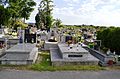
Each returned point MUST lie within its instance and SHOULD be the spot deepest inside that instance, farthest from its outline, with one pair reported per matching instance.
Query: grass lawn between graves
(43, 63)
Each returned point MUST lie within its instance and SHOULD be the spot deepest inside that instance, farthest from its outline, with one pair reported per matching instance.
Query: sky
(89, 12)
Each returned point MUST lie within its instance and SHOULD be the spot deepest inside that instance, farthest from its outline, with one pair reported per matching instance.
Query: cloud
(96, 12)
(73, 1)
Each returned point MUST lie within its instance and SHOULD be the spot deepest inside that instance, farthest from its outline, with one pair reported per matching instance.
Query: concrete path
(17, 74)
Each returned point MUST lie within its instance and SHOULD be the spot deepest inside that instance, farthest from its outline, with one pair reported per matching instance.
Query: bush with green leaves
(110, 38)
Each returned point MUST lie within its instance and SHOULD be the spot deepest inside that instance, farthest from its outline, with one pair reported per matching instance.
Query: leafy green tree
(110, 38)
(58, 23)
(115, 40)
(40, 20)
(4, 16)
(14, 8)
(49, 21)
(20, 24)
(103, 35)
(45, 13)
(26, 8)
(21, 8)
(37, 19)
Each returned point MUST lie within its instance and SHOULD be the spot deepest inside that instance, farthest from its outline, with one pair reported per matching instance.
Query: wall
(66, 63)
(65, 56)
(49, 45)
(14, 62)
(104, 59)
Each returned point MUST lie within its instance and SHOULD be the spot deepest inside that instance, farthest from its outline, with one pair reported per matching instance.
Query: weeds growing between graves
(45, 65)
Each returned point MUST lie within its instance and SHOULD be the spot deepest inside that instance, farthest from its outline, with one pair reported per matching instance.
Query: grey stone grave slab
(60, 56)
(20, 54)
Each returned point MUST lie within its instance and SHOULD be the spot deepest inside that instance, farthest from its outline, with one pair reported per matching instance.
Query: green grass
(45, 65)
(40, 67)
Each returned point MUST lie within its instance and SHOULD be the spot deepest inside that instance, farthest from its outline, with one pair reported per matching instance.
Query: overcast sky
(91, 12)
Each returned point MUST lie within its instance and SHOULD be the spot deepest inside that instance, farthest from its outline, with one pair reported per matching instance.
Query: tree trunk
(24, 19)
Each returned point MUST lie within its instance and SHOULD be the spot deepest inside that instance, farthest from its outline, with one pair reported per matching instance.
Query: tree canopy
(15, 9)
(4, 16)
(110, 38)
(58, 23)
(21, 8)
(45, 14)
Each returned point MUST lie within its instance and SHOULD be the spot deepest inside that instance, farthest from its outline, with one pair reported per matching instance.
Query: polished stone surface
(55, 56)
(64, 48)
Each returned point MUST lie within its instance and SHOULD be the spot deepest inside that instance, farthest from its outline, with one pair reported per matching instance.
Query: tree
(37, 19)
(21, 8)
(58, 23)
(115, 40)
(45, 13)
(40, 20)
(14, 8)
(20, 24)
(104, 36)
(110, 38)
(4, 16)
(27, 8)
